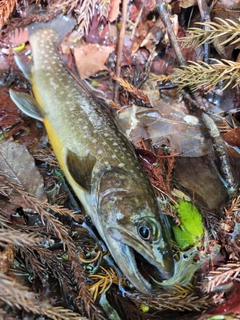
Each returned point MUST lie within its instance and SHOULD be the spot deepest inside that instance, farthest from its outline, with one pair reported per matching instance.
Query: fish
(96, 158)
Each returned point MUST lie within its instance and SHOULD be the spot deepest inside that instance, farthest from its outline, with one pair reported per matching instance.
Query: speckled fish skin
(98, 162)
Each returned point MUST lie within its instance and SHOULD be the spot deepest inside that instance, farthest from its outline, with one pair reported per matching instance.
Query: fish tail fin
(61, 24)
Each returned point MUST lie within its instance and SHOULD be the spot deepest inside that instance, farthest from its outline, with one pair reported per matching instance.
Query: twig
(161, 6)
(120, 45)
(205, 15)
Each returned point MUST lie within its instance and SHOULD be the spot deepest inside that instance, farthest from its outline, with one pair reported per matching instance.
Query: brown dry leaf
(181, 132)
(229, 4)
(19, 168)
(6, 258)
(91, 58)
(187, 3)
(114, 10)
(10, 115)
(199, 177)
(233, 137)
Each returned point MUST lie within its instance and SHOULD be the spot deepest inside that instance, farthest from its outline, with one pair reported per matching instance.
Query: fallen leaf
(187, 3)
(114, 10)
(181, 132)
(91, 59)
(19, 168)
(6, 258)
(233, 137)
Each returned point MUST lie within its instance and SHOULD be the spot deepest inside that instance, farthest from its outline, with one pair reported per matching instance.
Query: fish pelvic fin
(62, 25)
(80, 169)
(27, 104)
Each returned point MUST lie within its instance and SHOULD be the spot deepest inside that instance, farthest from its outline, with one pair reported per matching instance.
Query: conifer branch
(200, 75)
(6, 8)
(223, 274)
(16, 295)
(216, 29)
(18, 238)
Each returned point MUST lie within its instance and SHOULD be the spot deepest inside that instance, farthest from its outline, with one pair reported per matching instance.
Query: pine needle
(84, 11)
(200, 75)
(52, 224)
(215, 30)
(18, 238)
(16, 295)
(6, 8)
(223, 274)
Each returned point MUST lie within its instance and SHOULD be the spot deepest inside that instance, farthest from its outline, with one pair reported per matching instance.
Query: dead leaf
(6, 258)
(114, 10)
(91, 59)
(187, 3)
(200, 179)
(182, 133)
(19, 168)
(229, 4)
(233, 137)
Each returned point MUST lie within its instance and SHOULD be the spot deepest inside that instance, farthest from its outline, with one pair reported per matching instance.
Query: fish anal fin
(27, 104)
(80, 169)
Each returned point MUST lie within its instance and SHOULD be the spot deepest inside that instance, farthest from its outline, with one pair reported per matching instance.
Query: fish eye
(144, 232)
(148, 229)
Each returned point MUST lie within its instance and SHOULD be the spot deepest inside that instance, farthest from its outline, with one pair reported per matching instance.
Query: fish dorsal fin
(27, 104)
(80, 168)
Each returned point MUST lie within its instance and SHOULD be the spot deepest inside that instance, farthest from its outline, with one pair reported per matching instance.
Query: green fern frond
(214, 29)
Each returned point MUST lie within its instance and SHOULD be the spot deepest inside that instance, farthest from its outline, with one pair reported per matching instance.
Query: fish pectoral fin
(25, 67)
(27, 104)
(80, 168)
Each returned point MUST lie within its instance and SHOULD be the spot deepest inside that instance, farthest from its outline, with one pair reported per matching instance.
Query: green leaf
(191, 230)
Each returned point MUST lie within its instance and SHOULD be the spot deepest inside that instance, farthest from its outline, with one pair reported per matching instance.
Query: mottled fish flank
(97, 160)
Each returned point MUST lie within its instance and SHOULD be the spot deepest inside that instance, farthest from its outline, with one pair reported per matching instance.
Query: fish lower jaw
(138, 280)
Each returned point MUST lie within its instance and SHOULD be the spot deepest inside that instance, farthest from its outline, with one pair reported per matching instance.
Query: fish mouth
(149, 272)
(137, 268)
(132, 270)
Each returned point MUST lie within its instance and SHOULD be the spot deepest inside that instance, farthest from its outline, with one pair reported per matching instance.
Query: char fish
(97, 160)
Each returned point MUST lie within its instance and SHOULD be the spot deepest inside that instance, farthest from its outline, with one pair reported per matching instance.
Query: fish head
(132, 227)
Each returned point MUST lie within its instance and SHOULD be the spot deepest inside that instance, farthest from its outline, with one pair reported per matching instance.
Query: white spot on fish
(104, 143)
(192, 120)
(106, 163)
(94, 141)
(114, 156)
(121, 165)
(100, 152)
(119, 216)
(115, 144)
